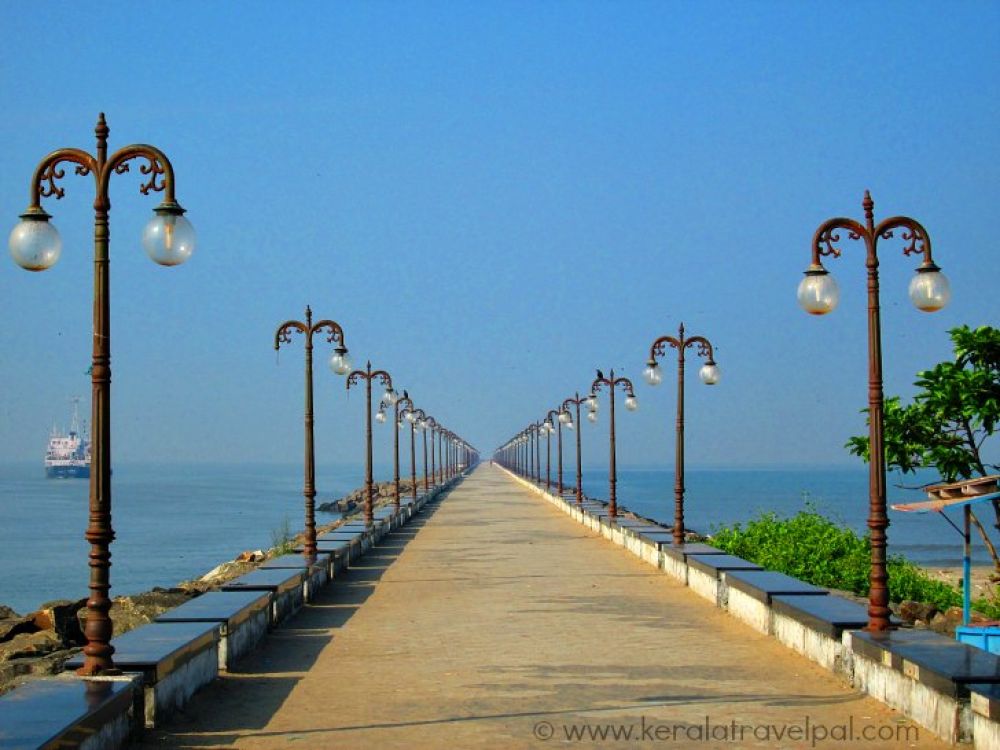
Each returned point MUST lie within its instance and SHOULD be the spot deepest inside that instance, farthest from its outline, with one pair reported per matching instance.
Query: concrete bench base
(935, 711)
(242, 619)
(815, 646)
(174, 660)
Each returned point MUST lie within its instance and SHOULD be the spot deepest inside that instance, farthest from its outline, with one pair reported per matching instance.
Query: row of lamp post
(818, 294)
(169, 240)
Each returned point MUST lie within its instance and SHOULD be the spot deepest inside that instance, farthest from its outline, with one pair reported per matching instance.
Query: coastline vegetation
(820, 551)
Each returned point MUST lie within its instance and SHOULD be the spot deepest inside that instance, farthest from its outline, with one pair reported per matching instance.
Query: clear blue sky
(494, 199)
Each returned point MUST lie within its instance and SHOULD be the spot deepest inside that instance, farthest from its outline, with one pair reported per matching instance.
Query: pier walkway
(495, 621)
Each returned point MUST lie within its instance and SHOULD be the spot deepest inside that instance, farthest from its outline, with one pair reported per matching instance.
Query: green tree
(954, 414)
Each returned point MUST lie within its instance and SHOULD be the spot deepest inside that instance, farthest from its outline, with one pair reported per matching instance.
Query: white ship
(68, 455)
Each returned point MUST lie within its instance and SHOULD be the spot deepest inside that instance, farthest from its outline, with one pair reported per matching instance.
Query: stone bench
(339, 553)
(69, 711)
(358, 538)
(285, 587)
(814, 625)
(242, 618)
(749, 594)
(705, 574)
(674, 558)
(175, 659)
(315, 571)
(925, 674)
(368, 534)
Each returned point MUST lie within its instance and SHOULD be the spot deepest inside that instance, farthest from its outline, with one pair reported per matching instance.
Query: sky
(494, 200)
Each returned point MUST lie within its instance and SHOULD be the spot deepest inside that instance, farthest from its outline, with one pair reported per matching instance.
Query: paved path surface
(494, 620)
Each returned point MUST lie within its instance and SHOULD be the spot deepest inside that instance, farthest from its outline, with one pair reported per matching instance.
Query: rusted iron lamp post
(35, 245)
(709, 374)
(529, 439)
(340, 363)
(431, 424)
(442, 435)
(529, 453)
(368, 375)
(818, 294)
(537, 432)
(408, 417)
(567, 420)
(450, 443)
(631, 404)
(398, 404)
(550, 422)
(420, 421)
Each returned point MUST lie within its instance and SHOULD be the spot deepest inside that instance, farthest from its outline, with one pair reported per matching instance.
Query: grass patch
(282, 540)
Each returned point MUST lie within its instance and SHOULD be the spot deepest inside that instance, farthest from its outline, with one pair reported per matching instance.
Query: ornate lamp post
(709, 374)
(420, 420)
(367, 375)
(431, 424)
(35, 245)
(526, 453)
(398, 403)
(440, 453)
(408, 417)
(529, 439)
(537, 432)
(340, 363)
(566, 419)
(447, 459)
(631, 404)
(818, 295)
(552, 419)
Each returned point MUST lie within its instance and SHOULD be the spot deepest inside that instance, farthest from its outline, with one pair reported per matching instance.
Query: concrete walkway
(495, 621)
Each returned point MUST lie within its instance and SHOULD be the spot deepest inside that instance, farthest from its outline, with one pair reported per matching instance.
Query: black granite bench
(683, 551)
(285, 587)
(174, 658)
(339, 552)
(241, 616)
(64, 711)
(316, 570)
(714, 565)
(345, 535)
(939, 662)
(656, 535)
(763, 584)
(828, 615)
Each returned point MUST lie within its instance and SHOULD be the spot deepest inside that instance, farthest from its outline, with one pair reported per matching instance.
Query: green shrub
(820, 551)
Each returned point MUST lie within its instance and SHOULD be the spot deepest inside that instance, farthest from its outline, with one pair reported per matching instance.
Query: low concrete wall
(898, 684)
(815, 646)
(175, 689)
(242, 639)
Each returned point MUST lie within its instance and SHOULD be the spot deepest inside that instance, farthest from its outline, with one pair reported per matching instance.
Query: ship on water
(68, 454)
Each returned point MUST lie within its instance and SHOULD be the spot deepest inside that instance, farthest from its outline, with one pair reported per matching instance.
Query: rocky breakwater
(39, 643)
(384, 493)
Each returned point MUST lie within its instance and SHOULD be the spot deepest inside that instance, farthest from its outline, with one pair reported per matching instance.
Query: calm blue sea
(172, 523)
(177, 522)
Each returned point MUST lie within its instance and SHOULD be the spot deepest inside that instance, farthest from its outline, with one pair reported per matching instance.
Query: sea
(176, 522)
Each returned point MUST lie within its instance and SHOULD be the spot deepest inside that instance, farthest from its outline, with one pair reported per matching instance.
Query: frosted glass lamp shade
(930, 290)
(168, 238)
(34, 243)
(818, 292)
